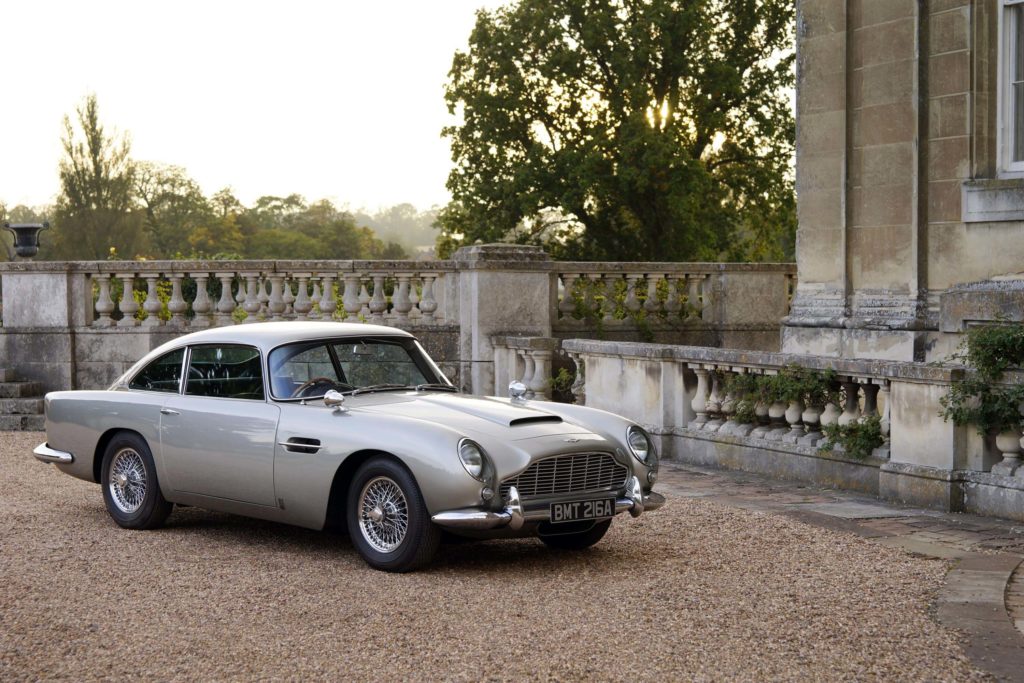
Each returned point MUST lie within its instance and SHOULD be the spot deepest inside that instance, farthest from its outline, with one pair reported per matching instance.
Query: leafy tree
(626, 129)
(401, 223)
(174, 206)
(94, 212)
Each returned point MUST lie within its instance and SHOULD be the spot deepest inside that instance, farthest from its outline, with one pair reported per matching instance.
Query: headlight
(472, 458)
(640, 444)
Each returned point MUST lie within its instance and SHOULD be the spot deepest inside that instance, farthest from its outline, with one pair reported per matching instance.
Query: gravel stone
(694, 591)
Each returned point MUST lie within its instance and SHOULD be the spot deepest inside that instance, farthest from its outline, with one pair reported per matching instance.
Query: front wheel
(580, 540)
(130, 489)
(387, 518)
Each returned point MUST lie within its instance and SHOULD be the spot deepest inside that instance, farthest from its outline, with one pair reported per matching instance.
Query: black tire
(128, 460)
(578, 541)
(374, 481)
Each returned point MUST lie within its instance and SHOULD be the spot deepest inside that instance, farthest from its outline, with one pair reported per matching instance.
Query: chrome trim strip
(44, 453)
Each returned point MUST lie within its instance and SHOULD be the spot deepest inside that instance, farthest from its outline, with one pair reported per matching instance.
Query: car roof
(270, 334)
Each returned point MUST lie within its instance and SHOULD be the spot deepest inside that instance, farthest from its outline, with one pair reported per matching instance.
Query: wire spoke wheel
(128, 481)
(383, 514)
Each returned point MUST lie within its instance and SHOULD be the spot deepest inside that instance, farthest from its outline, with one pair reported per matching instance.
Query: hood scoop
(538, 419)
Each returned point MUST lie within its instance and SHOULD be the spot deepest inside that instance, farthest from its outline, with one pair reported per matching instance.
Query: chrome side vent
(300, 444)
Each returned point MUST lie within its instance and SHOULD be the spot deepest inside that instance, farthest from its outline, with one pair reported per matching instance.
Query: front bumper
(514, 516)
(44, 453)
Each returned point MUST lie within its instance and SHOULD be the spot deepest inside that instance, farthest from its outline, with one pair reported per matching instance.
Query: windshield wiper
(379, 387)
(437, 386)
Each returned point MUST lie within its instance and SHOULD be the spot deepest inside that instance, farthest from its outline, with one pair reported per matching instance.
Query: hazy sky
(338, 99)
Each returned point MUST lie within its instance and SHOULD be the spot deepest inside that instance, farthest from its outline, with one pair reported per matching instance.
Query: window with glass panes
(1012, 71)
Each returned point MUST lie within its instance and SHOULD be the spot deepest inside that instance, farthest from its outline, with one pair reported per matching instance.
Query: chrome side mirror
(334, 399)
(517, 391)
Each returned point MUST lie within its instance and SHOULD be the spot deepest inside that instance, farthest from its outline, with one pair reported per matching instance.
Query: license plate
(578, 510)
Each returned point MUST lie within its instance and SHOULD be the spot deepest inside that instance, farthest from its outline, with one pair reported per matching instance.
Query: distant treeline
(111, 206)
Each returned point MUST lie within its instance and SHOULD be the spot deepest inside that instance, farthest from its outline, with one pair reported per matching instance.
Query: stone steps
(21, 404)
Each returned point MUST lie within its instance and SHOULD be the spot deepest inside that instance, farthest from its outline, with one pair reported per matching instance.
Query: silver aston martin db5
(332, 424)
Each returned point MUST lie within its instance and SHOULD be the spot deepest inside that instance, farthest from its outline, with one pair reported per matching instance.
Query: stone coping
(491, 262)
(919, 372)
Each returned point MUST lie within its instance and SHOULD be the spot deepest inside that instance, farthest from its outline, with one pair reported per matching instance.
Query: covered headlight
(641, 446)
(472, 457)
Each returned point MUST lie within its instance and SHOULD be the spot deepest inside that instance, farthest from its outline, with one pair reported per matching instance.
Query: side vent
(540, 419)
(300, 444)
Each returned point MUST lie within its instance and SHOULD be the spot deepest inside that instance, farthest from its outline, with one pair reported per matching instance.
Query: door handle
(168, 411)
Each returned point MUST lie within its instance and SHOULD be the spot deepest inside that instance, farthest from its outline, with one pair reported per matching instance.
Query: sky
(340, 100)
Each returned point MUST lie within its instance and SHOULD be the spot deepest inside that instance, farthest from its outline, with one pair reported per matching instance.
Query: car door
(218, 438)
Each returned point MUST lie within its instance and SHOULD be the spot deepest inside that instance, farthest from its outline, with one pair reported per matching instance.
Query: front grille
(571, 473)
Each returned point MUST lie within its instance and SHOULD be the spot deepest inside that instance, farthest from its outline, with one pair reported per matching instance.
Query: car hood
(483, 415)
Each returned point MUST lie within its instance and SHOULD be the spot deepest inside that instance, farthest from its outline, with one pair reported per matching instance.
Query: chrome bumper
(514, 516)
(44, 453)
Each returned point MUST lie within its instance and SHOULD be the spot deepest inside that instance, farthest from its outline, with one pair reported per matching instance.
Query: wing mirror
(334, 399)
(517, 391)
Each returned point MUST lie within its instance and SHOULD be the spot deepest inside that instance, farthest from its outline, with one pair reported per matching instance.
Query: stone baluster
(694, 295)
(851, 408)
(812, 425)
(714, 403)
(540, 382)
(176, 306)
(632, 301)
(226, 305)
(400, 300)
(672, 303)
(350, 300)
(240, 294)
(1008, 443)
(884, 419)
(152, 304)
(364, 302)
(579, 385)
(251, 303)
(794, 417)
(127, 304)
(276, 300)
(202, 306)
(314, 298)
(728, 402)
(652, 305)
(104, 304)
(529, 369)
(289, 299)
(328, 301)
(762, 421)
(567, 304)
(302, 304)
(264, 297)
(609, 305)
(378, 304)
(415, 314)
(428, 304)
(700, 398)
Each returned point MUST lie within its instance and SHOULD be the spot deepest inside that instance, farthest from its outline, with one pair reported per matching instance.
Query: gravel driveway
(694, 591)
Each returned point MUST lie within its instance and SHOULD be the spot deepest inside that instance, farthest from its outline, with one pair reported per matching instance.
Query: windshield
(352, 365)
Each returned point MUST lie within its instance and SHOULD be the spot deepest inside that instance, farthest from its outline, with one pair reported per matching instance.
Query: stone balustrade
(680, 393)
(524, 359)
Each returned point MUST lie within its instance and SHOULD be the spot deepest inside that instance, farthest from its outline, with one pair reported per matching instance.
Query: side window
(163, 374)
(225, 371)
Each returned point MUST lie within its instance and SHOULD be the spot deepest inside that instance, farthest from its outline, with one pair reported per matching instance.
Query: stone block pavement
(983, 595)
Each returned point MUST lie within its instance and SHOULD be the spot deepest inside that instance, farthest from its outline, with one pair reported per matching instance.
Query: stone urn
(1009, 444)
(26, 237)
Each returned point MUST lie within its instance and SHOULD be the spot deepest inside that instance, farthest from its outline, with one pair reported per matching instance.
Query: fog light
(486, 493)
(652, 477)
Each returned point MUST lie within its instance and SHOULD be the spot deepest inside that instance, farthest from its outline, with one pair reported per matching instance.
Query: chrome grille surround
(568, 473)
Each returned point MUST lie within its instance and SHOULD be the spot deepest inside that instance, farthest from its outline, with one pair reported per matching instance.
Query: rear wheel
(387, 518)
(130, 488)
(579, 540)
